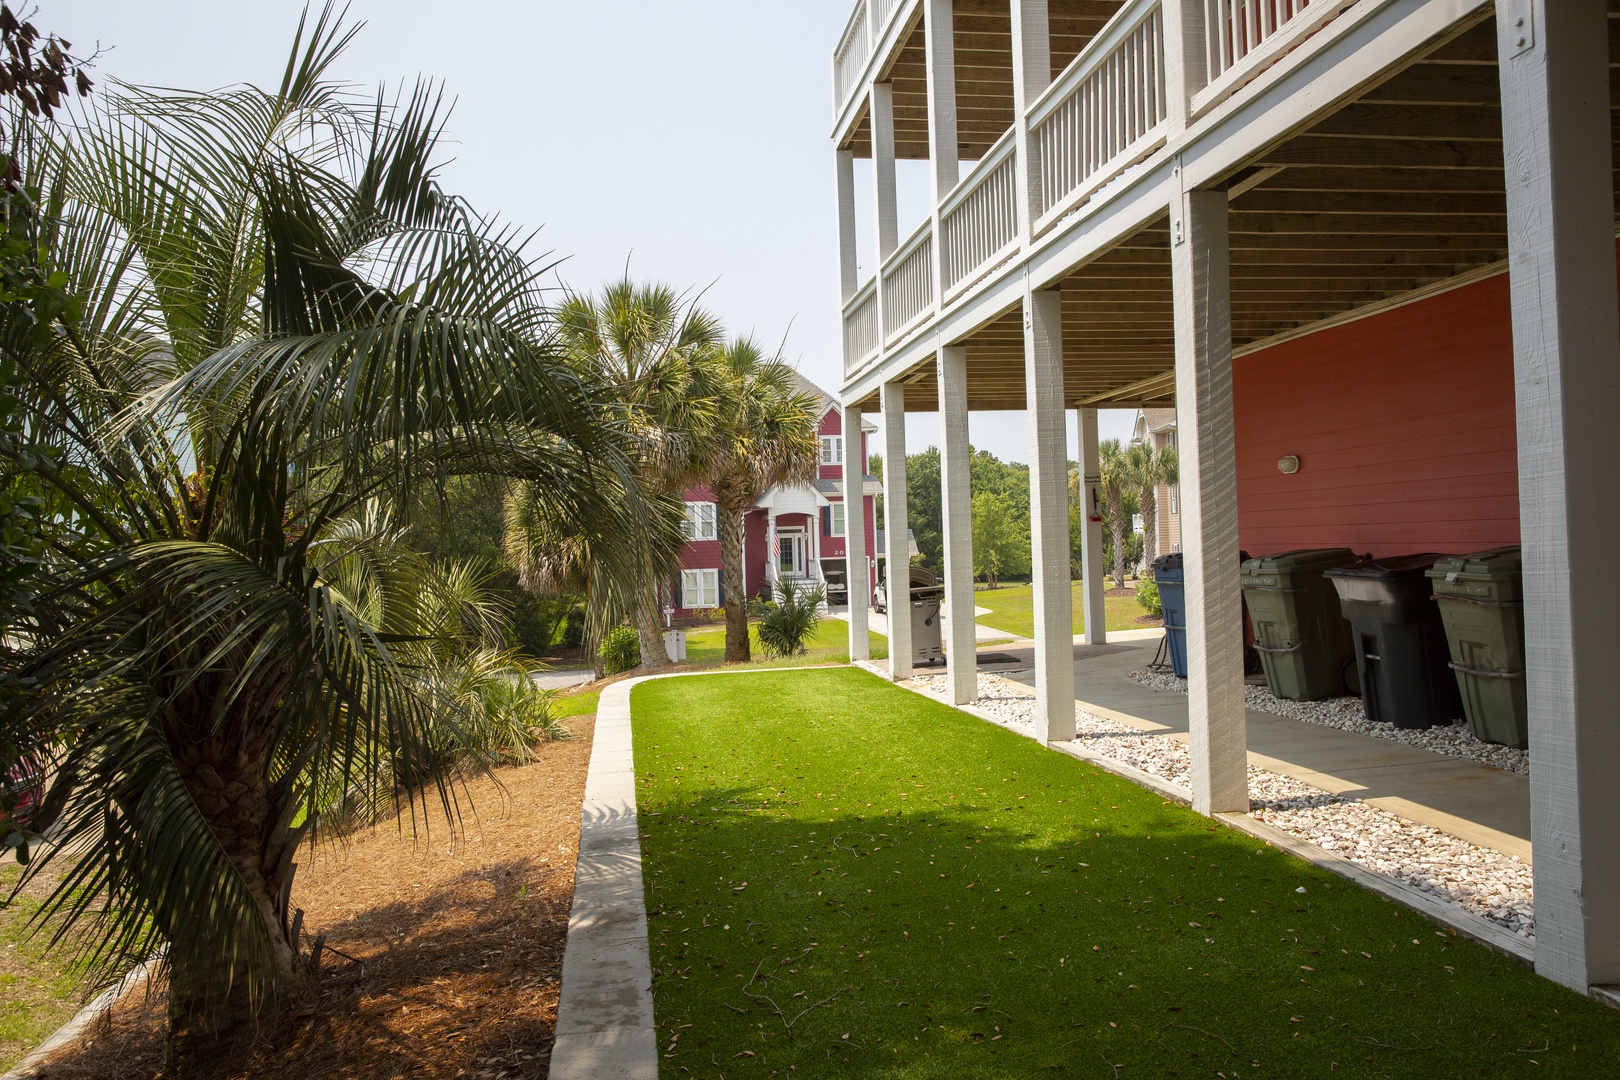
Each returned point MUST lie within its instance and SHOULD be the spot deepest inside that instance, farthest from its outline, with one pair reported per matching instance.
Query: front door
(791, 559)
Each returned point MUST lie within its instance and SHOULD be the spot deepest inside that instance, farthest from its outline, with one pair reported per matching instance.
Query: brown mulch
(1119, 592)
(444, 955)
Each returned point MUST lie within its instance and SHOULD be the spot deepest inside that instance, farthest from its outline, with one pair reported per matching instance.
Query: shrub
(574, 628)
(621, 650)
(1147, 594)
(786, 624)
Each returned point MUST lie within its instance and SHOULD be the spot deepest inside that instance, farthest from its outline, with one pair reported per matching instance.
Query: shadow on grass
(846, 879)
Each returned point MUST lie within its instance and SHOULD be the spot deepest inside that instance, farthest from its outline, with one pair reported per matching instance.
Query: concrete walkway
(562, 679)
(1485, 806)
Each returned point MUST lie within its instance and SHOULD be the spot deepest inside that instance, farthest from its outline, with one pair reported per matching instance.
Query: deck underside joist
(1398, 193)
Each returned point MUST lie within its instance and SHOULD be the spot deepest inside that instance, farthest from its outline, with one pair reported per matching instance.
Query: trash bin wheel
(1350, 678)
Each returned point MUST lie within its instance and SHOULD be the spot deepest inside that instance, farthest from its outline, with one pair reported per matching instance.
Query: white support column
(956, 520)
(1091, 557)
(1566, 347)
(1200, 280)
(896, 529)
(888, 224)
(1032, 73)
(855, 570)
(773, 556)
(1049, 514)
(1186, 66)
(942, 141)
(847, 270)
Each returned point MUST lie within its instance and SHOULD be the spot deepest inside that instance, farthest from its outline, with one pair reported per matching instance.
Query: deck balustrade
(849, 59)
(861, 329)
(980, 218)
(1105, 112)
(908, 282)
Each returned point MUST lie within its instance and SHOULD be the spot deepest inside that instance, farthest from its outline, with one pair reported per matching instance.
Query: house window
(700, 588)
(836, 519)
(1175, 498)
(700, 523)
(832, 449)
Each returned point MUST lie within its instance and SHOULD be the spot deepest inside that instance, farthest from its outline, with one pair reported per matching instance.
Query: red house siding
(1403, 424)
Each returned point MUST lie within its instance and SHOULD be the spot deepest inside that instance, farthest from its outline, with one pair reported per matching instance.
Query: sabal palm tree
(284, 318)
(1117, 477)
(765, 435)
(1152, 467)
(657, 351)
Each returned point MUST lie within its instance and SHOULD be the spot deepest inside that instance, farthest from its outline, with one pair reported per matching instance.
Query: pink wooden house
(796, 533)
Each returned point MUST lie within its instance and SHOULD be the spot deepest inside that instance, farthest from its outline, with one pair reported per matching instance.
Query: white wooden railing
(908, 281)
(1244, 37)
(1106, 111)
(980, 218)
(861, 328)
(849, 59)
(881, 10)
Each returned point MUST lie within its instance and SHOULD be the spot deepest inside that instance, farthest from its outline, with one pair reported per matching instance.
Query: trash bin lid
(1494, 564)
(1391, 567)
(1169, 561)
(1305, 559)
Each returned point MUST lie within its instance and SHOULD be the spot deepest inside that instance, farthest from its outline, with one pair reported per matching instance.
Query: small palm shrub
(787, 623)
(1147, 594)
(573, 635)
(621, 650)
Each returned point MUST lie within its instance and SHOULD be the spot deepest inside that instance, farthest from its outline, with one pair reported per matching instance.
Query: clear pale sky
(689, 140)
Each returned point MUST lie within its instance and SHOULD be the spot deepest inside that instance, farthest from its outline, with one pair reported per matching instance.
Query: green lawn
(828, 644)
(579, 704)
(847, 879)
(1013, 610)
(38, 990)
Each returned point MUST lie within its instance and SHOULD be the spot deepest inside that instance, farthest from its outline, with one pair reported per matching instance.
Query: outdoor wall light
(1289, 464)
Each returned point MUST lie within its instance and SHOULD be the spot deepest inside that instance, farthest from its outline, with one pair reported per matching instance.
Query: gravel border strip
(1436, 874)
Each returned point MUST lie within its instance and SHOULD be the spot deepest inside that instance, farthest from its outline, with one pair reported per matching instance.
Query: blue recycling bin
(1168, 575)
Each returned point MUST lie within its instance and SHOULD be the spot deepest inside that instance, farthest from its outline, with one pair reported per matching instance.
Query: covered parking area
(1413, 291)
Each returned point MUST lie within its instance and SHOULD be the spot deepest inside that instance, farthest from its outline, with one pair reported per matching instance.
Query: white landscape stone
(1487, 883)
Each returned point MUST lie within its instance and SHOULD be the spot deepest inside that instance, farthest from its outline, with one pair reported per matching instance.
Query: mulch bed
(444, 955)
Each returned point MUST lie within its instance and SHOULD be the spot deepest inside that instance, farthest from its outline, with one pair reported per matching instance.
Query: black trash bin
(1401, 652)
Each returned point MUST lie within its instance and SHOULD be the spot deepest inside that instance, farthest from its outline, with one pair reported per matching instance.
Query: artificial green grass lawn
(828, 644)
(1013, 610)
(921, 894)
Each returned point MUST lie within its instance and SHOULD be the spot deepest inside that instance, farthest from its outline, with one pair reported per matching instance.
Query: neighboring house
(1157, 427)
(795, 533)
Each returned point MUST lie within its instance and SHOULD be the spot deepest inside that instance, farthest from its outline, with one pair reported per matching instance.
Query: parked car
(23, 787)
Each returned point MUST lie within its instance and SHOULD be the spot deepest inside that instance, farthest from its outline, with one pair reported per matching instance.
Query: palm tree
(657, 352)
(1152, 467)
(765, 435)
(1118, 477)
(284, 319)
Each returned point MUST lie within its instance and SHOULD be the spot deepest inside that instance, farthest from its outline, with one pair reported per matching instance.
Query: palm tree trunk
(731, 508)
(1149, 498)
(1116, 520)
(211, 1000)
(649, 630)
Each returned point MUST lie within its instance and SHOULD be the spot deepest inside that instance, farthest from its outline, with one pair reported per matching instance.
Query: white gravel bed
(1484, 882)
(1348, 714)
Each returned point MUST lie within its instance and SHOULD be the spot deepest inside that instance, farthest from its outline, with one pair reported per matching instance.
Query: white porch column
(1091, 557)
(896, 529)
(956, 514)
(773, 556)
(847, 270)
(1566, 347)
(1032, 73)
(888, 225)
(1186, 66)
(860, 586)
(942, 145)
(1049, 513)
(1200, 281)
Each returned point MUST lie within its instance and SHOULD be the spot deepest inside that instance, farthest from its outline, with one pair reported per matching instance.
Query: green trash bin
(1481, 598)
(1303, 640)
